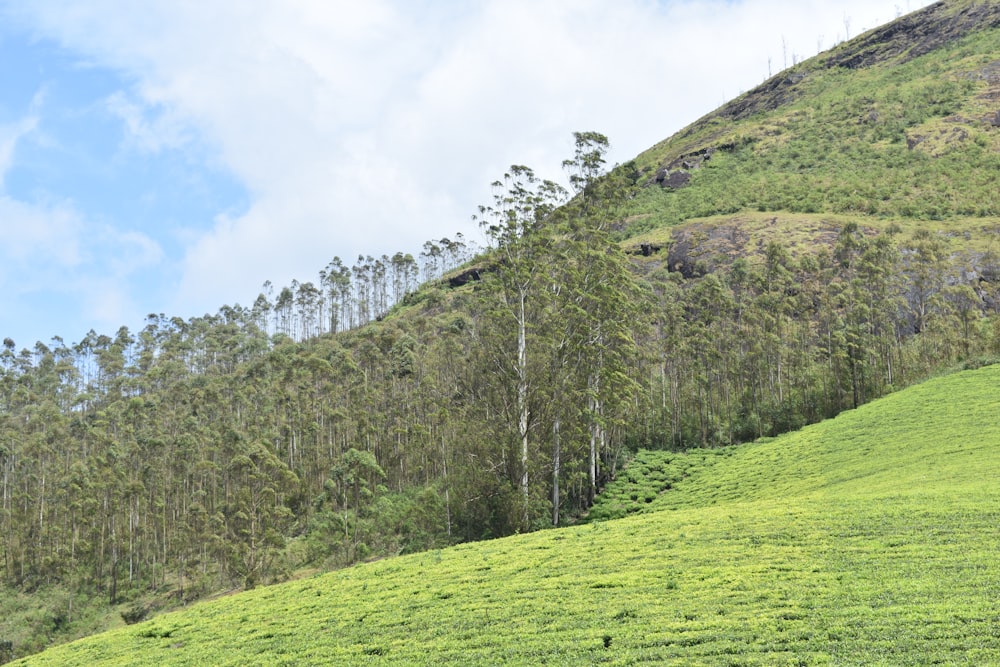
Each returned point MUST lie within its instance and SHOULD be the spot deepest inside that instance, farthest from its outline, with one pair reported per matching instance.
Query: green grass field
(869, 539)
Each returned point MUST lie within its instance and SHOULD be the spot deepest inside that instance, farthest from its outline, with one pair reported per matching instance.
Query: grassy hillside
(900, 124)
(866, 539)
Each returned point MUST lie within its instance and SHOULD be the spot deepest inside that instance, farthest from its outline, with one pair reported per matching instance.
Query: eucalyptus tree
(310, 303)
(926, 254)
(283, 311)
(362, 272)
(431, 256)
(257, 516)
(603, 301)
(260, 312)
(963, 302)
(517, 226)
(455, 251)
(336, 282)
(403, 275)
(380, 286)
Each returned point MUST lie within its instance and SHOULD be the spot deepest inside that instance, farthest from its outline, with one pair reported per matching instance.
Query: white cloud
(11, 134)
(148, 131)
(37, 236)
(49, 247)
(368, 127)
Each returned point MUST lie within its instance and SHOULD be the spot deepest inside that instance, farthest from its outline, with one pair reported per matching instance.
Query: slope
(163, 449)
(865, 539)
(899, 125)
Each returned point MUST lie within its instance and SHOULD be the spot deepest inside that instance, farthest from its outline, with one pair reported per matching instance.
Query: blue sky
(169, 157)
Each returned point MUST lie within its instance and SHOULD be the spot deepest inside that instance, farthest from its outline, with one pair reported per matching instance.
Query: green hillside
(900, 123)
(866, 539)
(821, 241)
(897, 128)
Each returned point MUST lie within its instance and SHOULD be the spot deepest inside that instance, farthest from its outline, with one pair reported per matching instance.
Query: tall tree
(604, 297)
(516, 224)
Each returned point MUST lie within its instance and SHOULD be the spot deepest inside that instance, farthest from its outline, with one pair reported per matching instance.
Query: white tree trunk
(522, 402)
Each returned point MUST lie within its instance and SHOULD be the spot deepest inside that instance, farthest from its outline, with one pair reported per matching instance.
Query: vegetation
(865, 539)
(901, 138)
(831, 237)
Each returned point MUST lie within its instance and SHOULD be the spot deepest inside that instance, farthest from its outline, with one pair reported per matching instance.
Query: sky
(170, 156)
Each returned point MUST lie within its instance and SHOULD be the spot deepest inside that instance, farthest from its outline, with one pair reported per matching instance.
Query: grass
(804, 232)
(869, 539)
(895, 141)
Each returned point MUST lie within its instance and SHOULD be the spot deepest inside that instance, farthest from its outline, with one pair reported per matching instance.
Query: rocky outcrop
(674, 180)
(916, 34)
(466, 276)
(676, 174)
(776, 92)
(697, 249)
(904, 39)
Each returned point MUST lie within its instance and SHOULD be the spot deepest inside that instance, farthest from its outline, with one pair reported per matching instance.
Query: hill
(865, 539)
(897, 124)
(823, 240)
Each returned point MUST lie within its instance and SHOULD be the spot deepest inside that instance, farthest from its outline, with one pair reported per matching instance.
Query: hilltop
(896, 127)
(866, 539)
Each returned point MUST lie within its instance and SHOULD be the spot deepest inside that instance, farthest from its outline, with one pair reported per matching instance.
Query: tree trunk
(522, 404)
(592, 456)
(447, 495)
(556, 470)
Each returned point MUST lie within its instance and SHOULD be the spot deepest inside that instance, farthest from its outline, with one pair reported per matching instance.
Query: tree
(516, 224)
(257, 517)
(336, 282)
(561, 307)
(926, 253)
(603, 298)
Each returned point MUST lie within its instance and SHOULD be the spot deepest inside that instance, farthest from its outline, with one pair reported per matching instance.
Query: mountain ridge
(907, 37)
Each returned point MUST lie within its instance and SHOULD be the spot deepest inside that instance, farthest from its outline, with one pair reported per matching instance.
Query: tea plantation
(869, 539)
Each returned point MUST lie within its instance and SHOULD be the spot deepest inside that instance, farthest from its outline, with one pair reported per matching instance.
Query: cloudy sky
(169, 156)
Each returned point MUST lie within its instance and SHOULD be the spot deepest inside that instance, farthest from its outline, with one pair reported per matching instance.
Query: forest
(819, 242)
(368, 418)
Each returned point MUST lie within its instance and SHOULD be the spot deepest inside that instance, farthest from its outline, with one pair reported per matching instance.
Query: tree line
(345, 297)
(760, 348)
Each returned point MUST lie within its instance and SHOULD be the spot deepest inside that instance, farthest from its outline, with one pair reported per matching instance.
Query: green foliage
(865, 539)
(647, 476)
(557, 323)
(769, 342)
(835, 243)
(903, 140)
(202, 455)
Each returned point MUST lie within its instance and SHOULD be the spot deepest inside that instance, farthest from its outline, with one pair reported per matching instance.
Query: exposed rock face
(677, 174)
(916, 34)
(906, 38)
(648, 249)
(692, 161)
(468, 275)
(697, 249)
(770, 95)
(672, 179)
